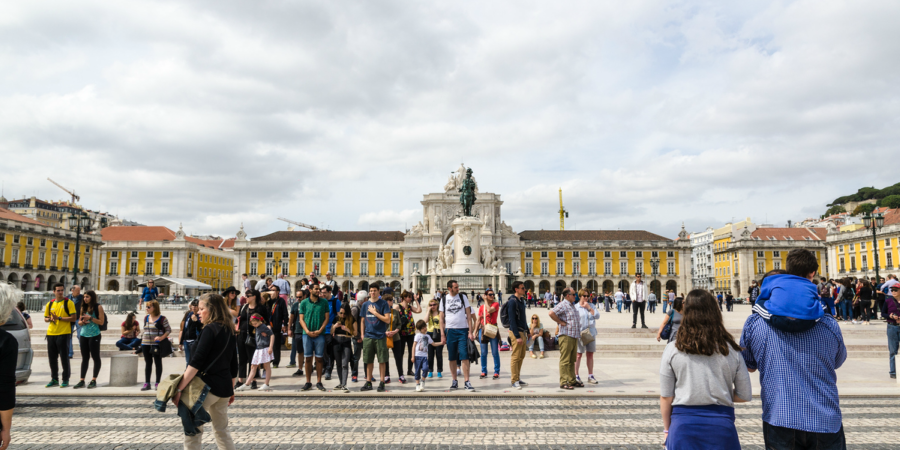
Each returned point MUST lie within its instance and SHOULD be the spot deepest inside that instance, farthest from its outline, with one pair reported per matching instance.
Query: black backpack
(504, 313)
(105, 324)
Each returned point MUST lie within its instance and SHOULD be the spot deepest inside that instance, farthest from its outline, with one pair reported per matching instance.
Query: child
(265, 341)
(422, 341)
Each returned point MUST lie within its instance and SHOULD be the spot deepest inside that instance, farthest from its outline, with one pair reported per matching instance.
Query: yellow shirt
(59, 308)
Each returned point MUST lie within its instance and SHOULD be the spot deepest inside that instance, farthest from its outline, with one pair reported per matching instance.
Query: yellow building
(35, 256)
(853, 248)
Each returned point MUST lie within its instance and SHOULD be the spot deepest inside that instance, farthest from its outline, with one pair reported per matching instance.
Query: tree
(836, 209)
(864, 208)
(892, 201)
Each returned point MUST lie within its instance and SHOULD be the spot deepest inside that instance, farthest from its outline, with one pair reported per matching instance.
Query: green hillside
(868, 193)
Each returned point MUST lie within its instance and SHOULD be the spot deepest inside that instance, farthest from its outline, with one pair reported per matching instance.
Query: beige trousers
(568, 348)
(217, 408)
(518, 355)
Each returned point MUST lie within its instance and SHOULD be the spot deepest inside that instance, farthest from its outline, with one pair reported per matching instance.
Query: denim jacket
(190, 408)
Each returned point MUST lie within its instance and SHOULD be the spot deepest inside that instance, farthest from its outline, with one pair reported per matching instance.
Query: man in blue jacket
(518, 332)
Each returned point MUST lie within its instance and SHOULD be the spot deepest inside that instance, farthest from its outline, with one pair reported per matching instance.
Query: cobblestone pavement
(400, 423)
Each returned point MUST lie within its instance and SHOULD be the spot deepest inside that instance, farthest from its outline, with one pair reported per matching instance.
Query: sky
(648, 114)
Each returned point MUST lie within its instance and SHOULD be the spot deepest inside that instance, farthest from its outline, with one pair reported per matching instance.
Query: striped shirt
(798, 383)
(566, 312)
(151, 332)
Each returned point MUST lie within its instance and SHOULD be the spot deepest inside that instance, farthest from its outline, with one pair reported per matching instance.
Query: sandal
(566, 387)
(578, 384)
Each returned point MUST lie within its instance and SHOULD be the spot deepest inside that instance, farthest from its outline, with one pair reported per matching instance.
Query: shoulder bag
(490, 330)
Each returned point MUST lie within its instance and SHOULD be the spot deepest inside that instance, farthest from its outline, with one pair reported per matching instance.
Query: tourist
(866, 300)
(407, 331)
(665, 301)
(844, 300)
(375, 315)
(638, 292)
(753, 291)
(487, 315)
(284, 287)
(796, 348)
(295, 332)
(456, 327)
(246, 282)
(213, 362)
(355, 305)
(651, 302)
(131, 331)
(891, 314)
(190, 328)
(313, 317)
(261, 284)
(433, 322)
(619, 299)
(21, 307)
(262, 356)
(607, 301)
(278, 319)
(156, 329)
(587, 317)
(91, 317)
(569, 331)
(628, 301)
(334, 305)
(702, 375)
(148, 293)
(76, 298)
(60, 313)
(535, 333)
(548, 298)
(231, 300)
(9, 355)
(330, 282)
(720, 299)
(825, 297)
(344, 331)
(674, 316)
(421, 343)
(247, 334)
(392, 341)
(729, 302)
(518, 333)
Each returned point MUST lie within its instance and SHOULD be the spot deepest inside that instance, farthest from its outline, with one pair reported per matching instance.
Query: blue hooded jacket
(789, 303)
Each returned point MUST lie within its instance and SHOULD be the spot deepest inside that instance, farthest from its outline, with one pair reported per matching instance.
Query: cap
(230, 289)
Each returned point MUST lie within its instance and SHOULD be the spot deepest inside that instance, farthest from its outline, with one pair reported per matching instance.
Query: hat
(361, 296)
(229, 290)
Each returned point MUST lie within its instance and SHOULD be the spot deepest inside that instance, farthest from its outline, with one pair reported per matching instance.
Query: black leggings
(436, 352)
(149, 359)
(90, 349)
(245, 356)
(400, 345)
(342, 354)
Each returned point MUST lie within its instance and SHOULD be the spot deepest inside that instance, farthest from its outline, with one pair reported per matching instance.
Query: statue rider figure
(467, 194)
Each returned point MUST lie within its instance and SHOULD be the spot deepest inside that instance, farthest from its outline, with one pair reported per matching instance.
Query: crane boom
(562, 212)
(301, 224)
(74, 196)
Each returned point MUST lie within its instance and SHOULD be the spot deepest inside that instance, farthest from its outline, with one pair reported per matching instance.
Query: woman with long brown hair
(702, 376)
(91, 318)
(434, 330)
(212, 359)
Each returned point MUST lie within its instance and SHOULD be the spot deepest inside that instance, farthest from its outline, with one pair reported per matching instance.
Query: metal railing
(112, 303)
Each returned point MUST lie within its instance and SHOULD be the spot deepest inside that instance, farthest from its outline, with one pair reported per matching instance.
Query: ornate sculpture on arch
(456, 180)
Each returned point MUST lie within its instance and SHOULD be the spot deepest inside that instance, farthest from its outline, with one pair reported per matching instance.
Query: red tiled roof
(590, 235)
(148, 233)
(227, 243)
(9, 215)
(796, 234)
(332, 236)
(892, 216)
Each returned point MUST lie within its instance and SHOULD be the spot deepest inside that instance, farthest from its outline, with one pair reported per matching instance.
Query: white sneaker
(516, 385)
(459, 372)
(243, 387)
(265, 387)
(592, 380)
(419, 388)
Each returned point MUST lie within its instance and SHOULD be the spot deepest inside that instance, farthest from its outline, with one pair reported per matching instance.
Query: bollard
(123, 370)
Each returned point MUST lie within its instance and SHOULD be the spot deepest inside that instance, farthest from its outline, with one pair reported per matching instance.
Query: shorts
(457, 344)
(591, 348)
(314, 345)
(372, 347)
(261, 356)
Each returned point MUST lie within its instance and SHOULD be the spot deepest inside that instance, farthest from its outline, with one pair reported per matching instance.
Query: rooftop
(590, 235)
(9, 215)
(149, 233)
(790, 234)
(332, 236)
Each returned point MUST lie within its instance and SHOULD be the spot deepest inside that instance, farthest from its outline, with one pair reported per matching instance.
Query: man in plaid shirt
(569, 331)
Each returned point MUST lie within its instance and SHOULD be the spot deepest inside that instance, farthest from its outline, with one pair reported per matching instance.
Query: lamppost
(654, 264)
(80, 222)
(875, 225)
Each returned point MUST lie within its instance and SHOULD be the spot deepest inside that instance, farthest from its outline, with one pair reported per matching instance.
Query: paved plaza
(477, 422)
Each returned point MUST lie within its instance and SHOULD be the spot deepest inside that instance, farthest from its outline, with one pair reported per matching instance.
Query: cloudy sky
(646, 113)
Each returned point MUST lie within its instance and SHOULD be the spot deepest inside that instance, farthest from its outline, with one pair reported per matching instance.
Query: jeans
(187, 351)
(788, 438)
(530, 344)
(827, 304)
(354, 363)
(893, 335)
(638, 306)
(296, 345)
(313, 346)
(457, 344)
(495, 351)
(421, 367)
(149, 360)
(665, 304)
(846, 309)
(436, 353)
(58, 347)
(651, 307)
(342, 353)
(619, 305)
(128, 343)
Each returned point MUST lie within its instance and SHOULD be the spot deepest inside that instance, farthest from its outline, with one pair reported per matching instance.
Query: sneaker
(483, 375)
(265, 387)
(64, 384)
(146, 387)
(298, 373)
(156, 387)
(517, 385)
(533, 357)
(496, 375)
(354, 379)
(242, 388)
(380, 387)
(422, 383)
(409, 372)
(237, 385)
(402, 380)
(459, 372)
(634, 326)
(327, 377)
(366, 387)
(320, 387)
(306, 387)
(291, 366)
(274, 366)
(345, 389)
(592, 380)
(79, 385)
(253, 385)
(644, 326)
(440, 375)
(893, 375)
(522, 383)
(454, 385)
(418, 388)
(430, 374)
(92, 384)
(387, 380)
(468, 387)
(578, 378)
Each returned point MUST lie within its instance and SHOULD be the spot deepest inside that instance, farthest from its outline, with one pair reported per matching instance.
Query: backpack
(504, 314)
(105, 324)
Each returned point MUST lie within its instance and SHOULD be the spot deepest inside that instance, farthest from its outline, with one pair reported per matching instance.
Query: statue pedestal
(467, 246)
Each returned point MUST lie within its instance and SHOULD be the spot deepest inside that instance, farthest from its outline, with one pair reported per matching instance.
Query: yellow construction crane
(562, 212)
(301, 224)
(74, 197)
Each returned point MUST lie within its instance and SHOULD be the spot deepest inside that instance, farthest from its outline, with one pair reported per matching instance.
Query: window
(28, 256)
(576, 267)
(395, 269)
(761, 266)
(654, 254)
(379, 269)
(16, 240)
(301, 254)
(543, 254)
(133, 270)
(592, 255)
(777, 265)
(887, 243)
(269, 255)
(285, 254)
(364, 269)
(148, 268)
(301, 268)
(592, 267)
(165, 268)
(347, 269)
(528, 267)
(853, 263)
(41, 258)
(253, 268)
(113, 268)
(865, 263)
(607, 267)
(364, 255)
(544, 268)
(66, 247)
(671, 269)
(52, 258)
(623, 254)
(851, 247)
(776, 254)
(317, 255)
(639, 266)
(862, 245)
(415, 267)
(285, 268)
(508, 267)
(528, 254)
(348, 255)
(840, 248)
(623, 268)
(395, 255)
(55, 244)
(332, 255)
(639, 254)
(269, 268)
(559, 255)
(43, 242)
(134, 254)
(165, 254)
(379, 255)
(760, 254)
(30, 241)
(889, 259)
(576, 254)
(607, 254)
(560, 268)
(843, 268)
(332, 267)
(253, 255)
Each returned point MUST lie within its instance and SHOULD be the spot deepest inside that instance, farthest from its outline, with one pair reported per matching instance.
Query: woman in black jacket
(9, 353)
(191, 325)
(247, 335)
(212, 359)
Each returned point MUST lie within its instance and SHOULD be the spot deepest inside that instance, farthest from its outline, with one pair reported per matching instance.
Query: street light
(80, 222)
(875, 222)
(654, 264)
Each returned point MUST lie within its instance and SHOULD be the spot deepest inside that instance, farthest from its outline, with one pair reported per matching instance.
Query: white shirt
(260, 285)
(639, 292)
(422, 342)
(455, 314)
(620, 296)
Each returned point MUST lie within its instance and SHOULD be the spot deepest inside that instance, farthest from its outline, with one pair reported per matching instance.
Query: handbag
(666, 332)
(436, 333)
(586, 336)
(164, 348)
(490, 330)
